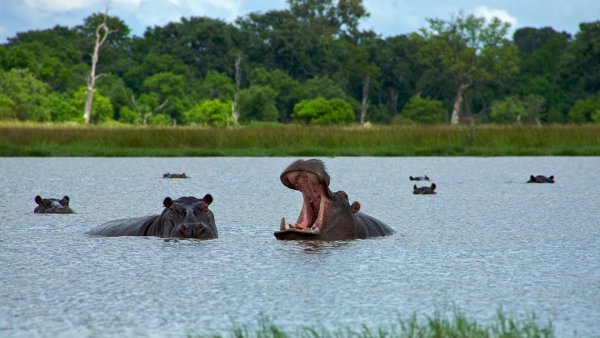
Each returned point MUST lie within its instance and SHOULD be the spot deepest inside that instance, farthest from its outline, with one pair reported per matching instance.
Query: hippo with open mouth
(52, 205)
(325, 215)
(185, 217)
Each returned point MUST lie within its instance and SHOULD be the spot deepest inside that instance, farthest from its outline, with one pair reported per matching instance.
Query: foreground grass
(437, 326)
(27, 139)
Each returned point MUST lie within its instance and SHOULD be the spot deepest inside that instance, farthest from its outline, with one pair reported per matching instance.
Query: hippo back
(124, 227)
(371, 227)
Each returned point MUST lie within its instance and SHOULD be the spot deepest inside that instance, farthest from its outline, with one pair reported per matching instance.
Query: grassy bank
(26, 139)
(437, 326)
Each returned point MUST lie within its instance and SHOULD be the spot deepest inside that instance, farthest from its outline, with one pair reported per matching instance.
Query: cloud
(489, 13)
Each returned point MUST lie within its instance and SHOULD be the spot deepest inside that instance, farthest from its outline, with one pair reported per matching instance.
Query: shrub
(509, 110)
(209, 112)
(323, 111)
(424, 110)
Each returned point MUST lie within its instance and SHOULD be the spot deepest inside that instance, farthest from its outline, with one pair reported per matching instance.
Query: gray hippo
(169, 175)
(52, 205)
(424, 190)
(418, 178)
(185, 217)
(325, 215)
(541, 179)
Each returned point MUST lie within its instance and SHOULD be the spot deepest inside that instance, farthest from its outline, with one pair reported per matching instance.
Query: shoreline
(66, 140)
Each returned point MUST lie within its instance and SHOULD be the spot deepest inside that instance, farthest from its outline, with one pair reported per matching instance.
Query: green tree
(63, 108)
(470, 50)
(210, 112)
(586, 110)
(170, 93)
(323, 111)
(102, 109)
(24, 95)
(283, 86)
(580, 69)
(114, 88)
(424, 110)
(541, 51)
(257, 103)
(201, 43)
(401, 70)
(217, 86)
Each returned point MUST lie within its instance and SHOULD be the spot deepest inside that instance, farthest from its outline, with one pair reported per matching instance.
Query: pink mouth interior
(312, 192)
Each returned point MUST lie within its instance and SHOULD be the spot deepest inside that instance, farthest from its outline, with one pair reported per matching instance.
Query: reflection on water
(486, 241)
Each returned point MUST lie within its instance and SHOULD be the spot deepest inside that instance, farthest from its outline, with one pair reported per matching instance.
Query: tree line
(309, 63)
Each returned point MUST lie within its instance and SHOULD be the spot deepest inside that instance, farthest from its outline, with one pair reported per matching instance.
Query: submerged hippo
(186, 217)
(52, 205)
(424, 190)
(169, 175)
(541, 179)
(325, 215)
(418, 178)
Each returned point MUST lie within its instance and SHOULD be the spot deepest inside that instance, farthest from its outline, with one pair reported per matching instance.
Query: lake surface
(486, 241)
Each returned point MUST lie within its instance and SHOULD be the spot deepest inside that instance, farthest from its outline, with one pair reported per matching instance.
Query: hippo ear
(65, 201)
(167, 202)
(432, 186)
(415, 187)
(208, 199)
(355, 206)
(38, 199)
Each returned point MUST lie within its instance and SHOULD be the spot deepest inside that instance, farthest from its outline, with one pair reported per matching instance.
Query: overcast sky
(388, 17)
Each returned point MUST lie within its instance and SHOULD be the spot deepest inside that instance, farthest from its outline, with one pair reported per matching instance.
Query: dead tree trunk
(238, 79)
(102, 33)
(365, 99)
(393, 100)
(460, 91)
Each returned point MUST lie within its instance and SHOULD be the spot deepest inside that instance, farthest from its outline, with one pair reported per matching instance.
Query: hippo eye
(200, 210)
(175, 210)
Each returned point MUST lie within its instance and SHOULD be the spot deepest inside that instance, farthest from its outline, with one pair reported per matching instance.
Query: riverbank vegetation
(456, 325)
(310, 63)
(34, 139)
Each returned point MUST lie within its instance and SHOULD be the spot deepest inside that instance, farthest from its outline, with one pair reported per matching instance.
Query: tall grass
(438, 326)
(26, 139)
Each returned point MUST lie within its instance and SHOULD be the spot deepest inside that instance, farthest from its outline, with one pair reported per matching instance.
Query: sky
(388, 17)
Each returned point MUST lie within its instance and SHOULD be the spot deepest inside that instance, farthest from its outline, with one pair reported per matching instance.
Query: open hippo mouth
(312, 181)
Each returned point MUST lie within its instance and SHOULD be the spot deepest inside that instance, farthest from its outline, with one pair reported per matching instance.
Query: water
(486, 241)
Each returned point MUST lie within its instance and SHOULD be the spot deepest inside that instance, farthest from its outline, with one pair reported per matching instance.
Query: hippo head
(325, 215)
(52, 205)
(189, 217)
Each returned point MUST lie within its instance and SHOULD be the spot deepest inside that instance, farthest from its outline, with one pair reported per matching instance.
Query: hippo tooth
(282, 224)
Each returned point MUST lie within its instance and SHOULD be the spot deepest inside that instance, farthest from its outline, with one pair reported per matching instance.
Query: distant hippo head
(541, 179)
(187, 217)
(325, 215)
(424, 190)
(52, 205)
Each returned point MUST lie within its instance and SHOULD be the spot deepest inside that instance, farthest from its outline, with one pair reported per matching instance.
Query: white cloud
(489, 13)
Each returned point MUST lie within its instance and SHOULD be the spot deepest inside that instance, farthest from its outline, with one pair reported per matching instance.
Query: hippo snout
(191, 230)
